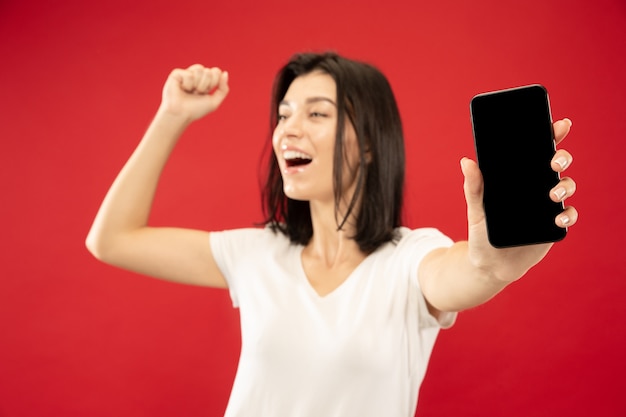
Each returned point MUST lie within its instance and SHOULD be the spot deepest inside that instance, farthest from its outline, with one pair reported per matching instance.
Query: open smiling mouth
(296, 159)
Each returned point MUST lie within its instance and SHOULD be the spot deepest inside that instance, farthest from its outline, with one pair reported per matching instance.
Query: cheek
(276, 139)
(275, 136)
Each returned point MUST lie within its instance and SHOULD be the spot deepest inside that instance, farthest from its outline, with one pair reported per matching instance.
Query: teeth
(288, 155)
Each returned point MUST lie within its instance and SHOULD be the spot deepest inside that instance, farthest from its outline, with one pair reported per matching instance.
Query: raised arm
(120, 234)
(470, 273)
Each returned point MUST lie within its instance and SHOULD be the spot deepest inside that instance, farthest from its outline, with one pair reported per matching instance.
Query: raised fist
(194, 92)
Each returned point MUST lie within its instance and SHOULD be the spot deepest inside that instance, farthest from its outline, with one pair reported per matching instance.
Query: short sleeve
(235, 251)
(416, 244)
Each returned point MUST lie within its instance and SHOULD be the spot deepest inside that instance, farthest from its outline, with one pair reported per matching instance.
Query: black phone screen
(514, 147)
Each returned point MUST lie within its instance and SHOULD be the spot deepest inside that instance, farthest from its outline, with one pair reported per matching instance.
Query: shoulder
(250, 233)
(248, 238)
(409, 247)
(243, 233)
(422, 238)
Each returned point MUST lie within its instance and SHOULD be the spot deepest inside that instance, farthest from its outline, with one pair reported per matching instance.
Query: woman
(340, 305)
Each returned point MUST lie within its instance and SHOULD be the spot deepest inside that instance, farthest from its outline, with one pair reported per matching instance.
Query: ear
(368, 153)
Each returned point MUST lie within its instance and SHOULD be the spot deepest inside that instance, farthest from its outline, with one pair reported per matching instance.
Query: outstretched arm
(470, 273)
(120, 235)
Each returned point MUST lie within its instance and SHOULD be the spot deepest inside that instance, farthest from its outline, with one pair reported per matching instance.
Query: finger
(197, 71)
(205, 82)
(177, 75)
(564, 189)
(561, 129)
(567, 218)
(473, 189)
(561, 160)
(184, 77)
(215, 78)
(222, 89)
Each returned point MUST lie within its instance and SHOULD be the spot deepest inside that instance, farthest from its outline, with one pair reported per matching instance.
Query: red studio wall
(79, 82)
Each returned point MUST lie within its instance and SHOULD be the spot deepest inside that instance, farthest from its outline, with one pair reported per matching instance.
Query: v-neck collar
(349, 281)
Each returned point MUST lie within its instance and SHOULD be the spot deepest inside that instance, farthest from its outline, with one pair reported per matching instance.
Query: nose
(288, 130)
(292, 126)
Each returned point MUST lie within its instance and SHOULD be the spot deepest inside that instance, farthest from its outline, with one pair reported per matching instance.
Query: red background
(79, 82)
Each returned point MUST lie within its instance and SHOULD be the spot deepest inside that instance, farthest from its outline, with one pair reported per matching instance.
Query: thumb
(473, 189)
(222, 89)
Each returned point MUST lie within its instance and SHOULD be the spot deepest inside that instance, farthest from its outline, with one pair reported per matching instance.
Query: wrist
(175, 120)
(495, 269)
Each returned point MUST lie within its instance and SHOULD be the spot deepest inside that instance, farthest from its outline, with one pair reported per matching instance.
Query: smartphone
(514, 143)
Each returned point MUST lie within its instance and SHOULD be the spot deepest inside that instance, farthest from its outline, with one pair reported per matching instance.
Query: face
(304, 140)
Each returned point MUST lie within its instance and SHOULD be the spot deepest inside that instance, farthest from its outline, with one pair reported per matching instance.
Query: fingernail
(565, 220)
(562, 161)
(560, 193)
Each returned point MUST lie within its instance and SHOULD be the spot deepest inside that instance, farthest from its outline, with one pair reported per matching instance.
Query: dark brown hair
(365, 97)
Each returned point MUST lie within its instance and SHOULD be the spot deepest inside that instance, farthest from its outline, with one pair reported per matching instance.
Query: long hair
(365, 97)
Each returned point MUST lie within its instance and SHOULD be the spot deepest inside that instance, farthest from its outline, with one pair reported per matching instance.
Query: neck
(329, 245)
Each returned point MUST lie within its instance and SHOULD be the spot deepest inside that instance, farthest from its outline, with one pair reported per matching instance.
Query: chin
(300, 192)
(295, 195)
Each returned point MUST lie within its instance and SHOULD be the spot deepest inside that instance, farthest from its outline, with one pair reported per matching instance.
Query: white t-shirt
(361, 350)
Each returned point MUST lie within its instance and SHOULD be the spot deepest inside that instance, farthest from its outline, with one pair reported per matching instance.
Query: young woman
(340, 304)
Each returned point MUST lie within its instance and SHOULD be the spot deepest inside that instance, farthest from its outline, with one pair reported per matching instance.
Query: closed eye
(318, 114)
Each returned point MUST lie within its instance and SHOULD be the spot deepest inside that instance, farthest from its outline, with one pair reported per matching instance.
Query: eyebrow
(311, 100)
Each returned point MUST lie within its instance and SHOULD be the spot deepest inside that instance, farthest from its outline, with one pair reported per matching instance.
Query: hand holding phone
(514, 143)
